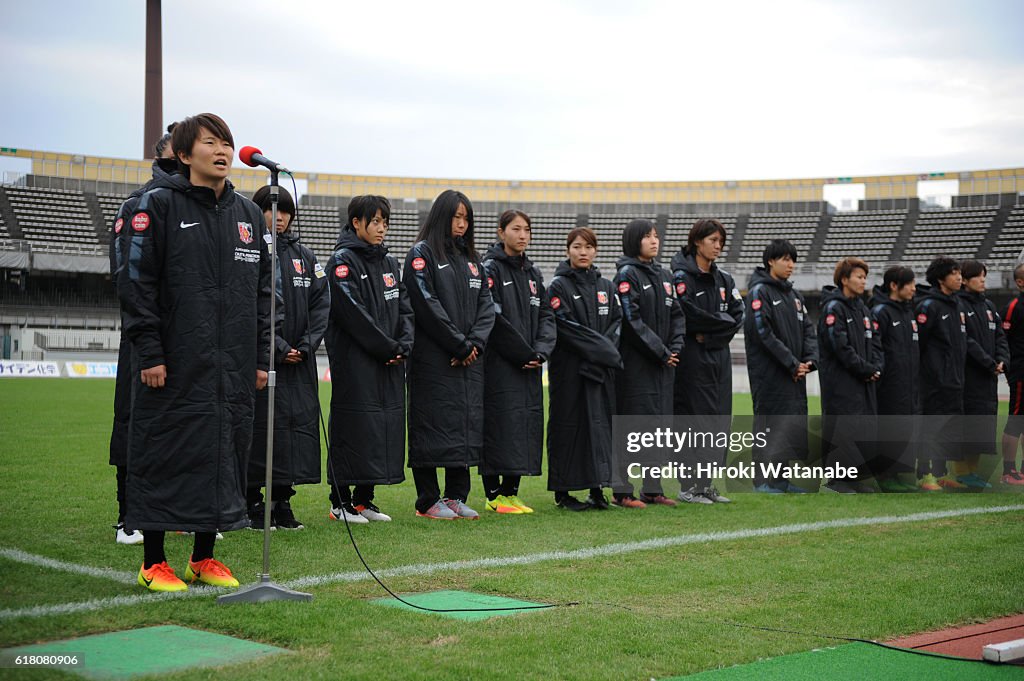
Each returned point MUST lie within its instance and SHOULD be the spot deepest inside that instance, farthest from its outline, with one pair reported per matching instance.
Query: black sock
(510, 485)
(596, 493)
(492, 486)
(1008, 466)
(203, 546)
(153, 549)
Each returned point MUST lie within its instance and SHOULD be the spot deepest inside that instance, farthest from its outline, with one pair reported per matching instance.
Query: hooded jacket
(653, 329)
(986, 348)
(778, 336)
(943, 342)
(850, 355)
(162, 169)
(454, 313)
(304, 304)
(899, 388)
(581, 378)
(713, 309)
(195, 294)
(371, 323)
(524, 330)
(1013, 327)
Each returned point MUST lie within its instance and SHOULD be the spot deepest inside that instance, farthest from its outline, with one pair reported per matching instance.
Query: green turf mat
(461, 600)
(152, 650)
(858, 661)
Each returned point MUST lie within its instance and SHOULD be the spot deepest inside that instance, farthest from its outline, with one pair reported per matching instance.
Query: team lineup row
(450, 345)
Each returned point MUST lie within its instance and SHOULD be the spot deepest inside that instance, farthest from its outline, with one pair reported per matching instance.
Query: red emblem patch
(867, 323)
(668, 288)
(473, 270)
(490, 282)
(721, 292)
(990, 315)
(624, 287)
(297, 264)
(1006, 326)
(555, 303)
(418, 264)
(922, 318)
(140, 223)
(118, 225)
(341, 271)
(798, 306)
(756, 304)
(681, 288)
(245, 232)
(533, 287)
(913, 325)
(875, 325)
(602, 297)
(389, 279)
(830, 320)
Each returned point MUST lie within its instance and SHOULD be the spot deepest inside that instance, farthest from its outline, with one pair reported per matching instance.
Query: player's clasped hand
(261, 379)
(155, 377)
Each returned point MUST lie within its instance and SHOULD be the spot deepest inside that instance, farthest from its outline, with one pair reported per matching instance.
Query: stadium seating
(957, 232)
(800, 228)
(870, 235)
(1010, 242)
(53, 217)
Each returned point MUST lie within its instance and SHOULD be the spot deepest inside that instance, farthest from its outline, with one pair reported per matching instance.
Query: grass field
(640, 613)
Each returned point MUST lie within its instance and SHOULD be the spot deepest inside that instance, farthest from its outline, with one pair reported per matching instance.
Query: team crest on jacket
(830, 320)
(721, 292)
(602, 297)
(245, 232)
(418, 264)
(490, 282)
(299, 267)
(1006, 326)
(913, 325)
(555, 302)
(341, 271)
(990, 318)
(922, 318)
(623, 287)
(681, 288)
(389, 279)
(963, 319)
(867, 323)
(118, 225)
(668, 288)
(756, 304)
(473, 269)
(799, 307)
(140, 223)
(533, 287)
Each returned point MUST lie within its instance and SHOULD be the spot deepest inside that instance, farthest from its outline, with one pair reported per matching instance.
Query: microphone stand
(266, 590)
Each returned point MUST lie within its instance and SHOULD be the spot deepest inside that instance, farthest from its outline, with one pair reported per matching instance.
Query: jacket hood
(653, 267)
(348, 239)
(565, 269)
(879, 296)
(970, 296)
(761, 276)
(497, 252)
(832, 292)
(936, 294)
(687, 262)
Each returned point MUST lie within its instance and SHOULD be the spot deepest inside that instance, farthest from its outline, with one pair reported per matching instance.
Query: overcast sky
(627, 90)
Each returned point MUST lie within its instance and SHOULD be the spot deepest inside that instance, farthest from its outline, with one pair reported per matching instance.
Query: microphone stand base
(262, 592)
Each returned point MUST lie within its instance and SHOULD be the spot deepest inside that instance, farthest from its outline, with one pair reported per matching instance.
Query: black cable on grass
(868, 641)
(334, 488)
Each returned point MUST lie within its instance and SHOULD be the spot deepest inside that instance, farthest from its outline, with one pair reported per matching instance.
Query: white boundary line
(41, 561)
(422, 569)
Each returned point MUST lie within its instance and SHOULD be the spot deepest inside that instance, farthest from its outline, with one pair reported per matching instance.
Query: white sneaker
(372, 513)
(348, 513)
(128, 536)
(693, 496)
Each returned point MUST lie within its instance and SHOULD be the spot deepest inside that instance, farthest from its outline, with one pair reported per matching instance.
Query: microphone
(251, 156)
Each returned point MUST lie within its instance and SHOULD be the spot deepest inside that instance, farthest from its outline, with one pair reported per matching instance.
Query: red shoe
(660, 499)
(628, 502)
(1014, 478)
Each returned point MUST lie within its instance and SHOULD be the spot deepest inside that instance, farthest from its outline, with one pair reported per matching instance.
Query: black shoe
(598, 503)
(256, 516)
(283, 517)
(841, 487)
(862, 487)
(571, 503)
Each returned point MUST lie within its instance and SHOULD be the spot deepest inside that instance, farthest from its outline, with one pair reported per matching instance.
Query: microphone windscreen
(245, 155)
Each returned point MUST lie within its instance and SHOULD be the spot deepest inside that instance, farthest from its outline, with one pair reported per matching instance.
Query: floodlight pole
(265, 589)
